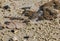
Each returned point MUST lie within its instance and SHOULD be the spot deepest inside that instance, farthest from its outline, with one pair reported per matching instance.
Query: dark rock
(47, 11)
(7, 22)
(1, 27)
(10, 39)
(26, 37)
(6, 7)
(12, 31)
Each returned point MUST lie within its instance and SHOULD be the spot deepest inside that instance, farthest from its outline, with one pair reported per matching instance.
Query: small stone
(16, 31)
(10, 39)
(6, 7)
(26, 21)
(26, 37)
(1, 27)
(12, 31)
(6, 22)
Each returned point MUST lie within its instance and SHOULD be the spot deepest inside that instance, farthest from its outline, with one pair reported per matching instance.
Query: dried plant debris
(26, 21)
(46, 11)
(26, 8)
(14, 18)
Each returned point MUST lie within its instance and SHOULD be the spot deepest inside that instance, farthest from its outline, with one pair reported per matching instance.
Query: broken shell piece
(25, 40)
(15, 38)
(20, 25)
(16, 31)
(7, 22)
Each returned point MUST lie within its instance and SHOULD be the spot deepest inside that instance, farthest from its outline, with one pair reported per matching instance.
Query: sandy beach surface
(29, 20)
